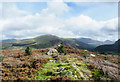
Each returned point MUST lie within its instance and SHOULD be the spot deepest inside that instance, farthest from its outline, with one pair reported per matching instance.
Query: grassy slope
(44, 41)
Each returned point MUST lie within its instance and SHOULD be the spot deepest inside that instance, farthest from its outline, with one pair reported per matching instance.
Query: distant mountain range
(94, 43)
(6, 40)
(111, 48)
(46, 41)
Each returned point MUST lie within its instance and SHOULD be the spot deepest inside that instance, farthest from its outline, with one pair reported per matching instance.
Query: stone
(92, 55)
(107, 67)
(75, 76)
(81, 74)
(69, 73)
(85, 50)
(61, 69)
(50, 60)
(74, 65)
(51, 51)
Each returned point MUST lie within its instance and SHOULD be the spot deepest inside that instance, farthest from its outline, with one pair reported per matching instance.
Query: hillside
(72, 66)
(94, 43)
(112, 48)
(44, 41)
(91, 42)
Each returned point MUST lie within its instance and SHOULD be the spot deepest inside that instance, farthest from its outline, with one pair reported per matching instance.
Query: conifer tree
(61, 48)
(28, 51)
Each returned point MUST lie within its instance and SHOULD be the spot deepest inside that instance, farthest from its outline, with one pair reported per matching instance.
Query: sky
(95, 20)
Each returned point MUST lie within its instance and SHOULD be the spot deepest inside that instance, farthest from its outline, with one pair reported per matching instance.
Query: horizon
(95, 20)
(57, 36)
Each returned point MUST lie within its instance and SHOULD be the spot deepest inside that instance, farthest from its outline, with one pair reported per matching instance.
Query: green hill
(110, 48)
(44, 41)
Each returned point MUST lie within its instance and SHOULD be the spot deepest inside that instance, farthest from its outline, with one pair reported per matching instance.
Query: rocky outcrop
(51, 52)
(111, 69)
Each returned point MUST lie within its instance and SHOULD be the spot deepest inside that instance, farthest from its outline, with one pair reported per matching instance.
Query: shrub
(61, 48)
(28, 51)
(105, 58)
(97, 74)
(1, 58)
(86, 54)
(18, 55)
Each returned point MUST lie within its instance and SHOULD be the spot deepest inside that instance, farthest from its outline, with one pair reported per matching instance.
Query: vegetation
(61, 48)
(105, 58)
(1, 58)
(38, 66)
(85, 54)
(51, 69)
(28, 51)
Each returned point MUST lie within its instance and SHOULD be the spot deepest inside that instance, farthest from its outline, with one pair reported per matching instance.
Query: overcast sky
(96, 20)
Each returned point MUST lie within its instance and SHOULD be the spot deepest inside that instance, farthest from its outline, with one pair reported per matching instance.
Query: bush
(28, 51)
(97, 74)
(1, 58)
(86, 54)
(61, 48)
(105, 58)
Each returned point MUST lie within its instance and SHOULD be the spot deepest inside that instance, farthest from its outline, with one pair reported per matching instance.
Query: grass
(51, 69)
(47, 71)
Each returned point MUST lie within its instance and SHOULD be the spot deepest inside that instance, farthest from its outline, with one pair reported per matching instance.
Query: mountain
(44, 41)
(108, 42)
(94, 43)
(109, 48)
(6, 40)
(91, 42)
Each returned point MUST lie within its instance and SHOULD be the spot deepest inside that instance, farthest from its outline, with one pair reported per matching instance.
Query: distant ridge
(6, 40)
(45, 41)
(94, 43)
(110, 48)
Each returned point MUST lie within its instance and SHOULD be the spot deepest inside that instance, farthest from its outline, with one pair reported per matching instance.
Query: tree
(61, 48)
(28, 51)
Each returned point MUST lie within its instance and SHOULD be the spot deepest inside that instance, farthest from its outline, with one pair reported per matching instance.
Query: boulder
(51, 52)
(92, 55)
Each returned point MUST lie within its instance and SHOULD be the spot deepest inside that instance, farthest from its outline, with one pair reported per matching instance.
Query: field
(75, 65)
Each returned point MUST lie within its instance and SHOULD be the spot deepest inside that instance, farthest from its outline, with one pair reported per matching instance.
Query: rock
(51, 52)
(85, 50)
(56, 73)
(61, 69)
(92, 55)
(50, 60)
(54, 61)
(107, 67)
(75, 76)
(69, 73)
(81, 74)
(74, 65)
